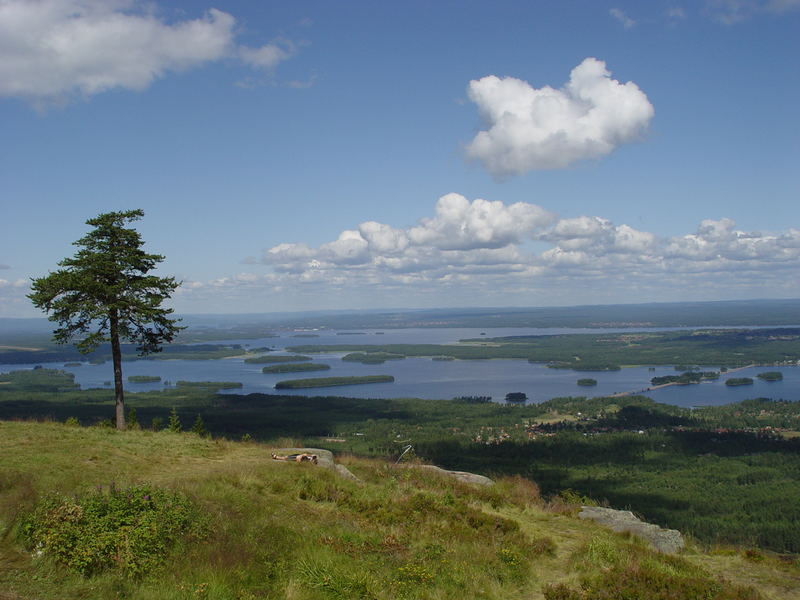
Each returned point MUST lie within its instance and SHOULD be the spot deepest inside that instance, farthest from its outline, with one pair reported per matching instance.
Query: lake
(426, 378)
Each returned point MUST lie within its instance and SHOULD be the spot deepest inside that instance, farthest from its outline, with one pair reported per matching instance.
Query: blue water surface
(429, 379)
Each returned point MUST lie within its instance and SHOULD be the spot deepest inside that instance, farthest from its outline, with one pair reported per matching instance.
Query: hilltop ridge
(287, 530)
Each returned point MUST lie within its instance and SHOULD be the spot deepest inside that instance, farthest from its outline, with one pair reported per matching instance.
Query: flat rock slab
(460, 475)
(667, 541)
(324, 459)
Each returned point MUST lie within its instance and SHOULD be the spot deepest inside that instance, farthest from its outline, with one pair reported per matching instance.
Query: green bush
(174, 423)
(642, 582)
(129, 529)
(199, 427)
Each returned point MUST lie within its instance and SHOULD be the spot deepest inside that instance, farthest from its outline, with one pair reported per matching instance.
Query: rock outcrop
(460, 475)
(324, 459)
(667, 541)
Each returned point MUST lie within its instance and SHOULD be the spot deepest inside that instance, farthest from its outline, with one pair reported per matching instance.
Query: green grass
(283, 530)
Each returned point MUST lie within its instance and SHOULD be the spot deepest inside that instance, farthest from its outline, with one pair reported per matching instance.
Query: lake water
(426, 378)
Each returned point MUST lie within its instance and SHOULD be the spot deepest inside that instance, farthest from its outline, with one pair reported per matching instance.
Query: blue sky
(323, 155)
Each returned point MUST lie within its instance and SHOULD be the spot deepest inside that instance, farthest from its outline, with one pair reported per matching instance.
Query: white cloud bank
(485, 253)
(533, 129)
(51, 50)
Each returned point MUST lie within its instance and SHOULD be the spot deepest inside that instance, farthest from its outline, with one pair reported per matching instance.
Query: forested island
(295, 367)
(279, 358)
(295, 384)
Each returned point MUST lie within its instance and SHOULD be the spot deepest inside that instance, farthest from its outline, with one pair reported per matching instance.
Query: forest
(720, 474)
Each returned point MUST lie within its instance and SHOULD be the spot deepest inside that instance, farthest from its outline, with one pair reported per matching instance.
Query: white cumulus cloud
(545, 128)
(479, 252)
(460, 224)
(51, 50)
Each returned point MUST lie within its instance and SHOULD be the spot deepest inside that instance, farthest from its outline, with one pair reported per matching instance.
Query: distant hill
(675, 314)
(669, 314)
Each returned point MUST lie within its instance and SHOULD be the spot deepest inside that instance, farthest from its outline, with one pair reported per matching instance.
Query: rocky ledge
(667, 541)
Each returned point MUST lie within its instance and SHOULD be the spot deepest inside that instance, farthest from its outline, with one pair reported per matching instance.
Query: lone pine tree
(104, 294)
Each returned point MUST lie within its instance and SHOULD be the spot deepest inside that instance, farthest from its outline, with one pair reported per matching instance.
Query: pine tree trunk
(116, 356)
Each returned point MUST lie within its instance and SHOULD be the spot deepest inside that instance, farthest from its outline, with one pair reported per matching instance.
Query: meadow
(242, 526)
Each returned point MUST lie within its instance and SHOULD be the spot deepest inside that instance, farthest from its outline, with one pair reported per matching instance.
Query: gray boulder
(667, 541)
(460, 475)
(324, 459)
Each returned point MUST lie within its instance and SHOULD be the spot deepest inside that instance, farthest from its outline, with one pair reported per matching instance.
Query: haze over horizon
(315, 155)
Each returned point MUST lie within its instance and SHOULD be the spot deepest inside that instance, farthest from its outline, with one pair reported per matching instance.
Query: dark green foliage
(581, 366)
(372, 358)
(104, 294)
(144, 378)
(130, 529)
(734, 381)
(295, 368)
(770, 376)
(685, 378)
(587, 382)
(174, 423)
(293, 384)
(199, 427)
(516, 397)
(209, 385)
(272, 359)
(38, 380)
(133, 420)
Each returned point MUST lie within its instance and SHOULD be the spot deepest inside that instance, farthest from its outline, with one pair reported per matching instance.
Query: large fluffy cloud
(487, 252)
(51, 49)
(462, 234)
(533, 129)
(461, 225)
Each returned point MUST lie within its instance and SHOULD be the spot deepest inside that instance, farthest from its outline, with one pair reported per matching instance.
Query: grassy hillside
(268, 529)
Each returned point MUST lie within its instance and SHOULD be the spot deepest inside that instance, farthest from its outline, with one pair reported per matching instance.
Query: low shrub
(638, 582)
(130, 529)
